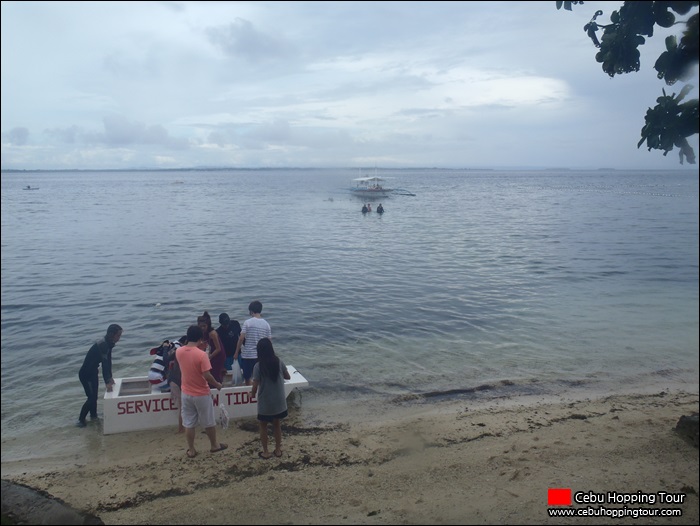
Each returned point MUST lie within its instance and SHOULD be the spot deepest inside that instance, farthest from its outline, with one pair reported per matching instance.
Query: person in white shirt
(254, 329)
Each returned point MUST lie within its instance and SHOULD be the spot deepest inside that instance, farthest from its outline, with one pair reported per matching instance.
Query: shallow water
(484, 284)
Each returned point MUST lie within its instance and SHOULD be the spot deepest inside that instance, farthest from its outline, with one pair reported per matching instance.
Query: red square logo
(559, 497)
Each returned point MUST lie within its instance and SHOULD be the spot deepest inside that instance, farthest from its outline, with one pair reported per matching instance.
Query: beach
(450, 462)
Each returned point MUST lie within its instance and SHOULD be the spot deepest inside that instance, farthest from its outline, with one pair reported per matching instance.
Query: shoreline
(453, 462)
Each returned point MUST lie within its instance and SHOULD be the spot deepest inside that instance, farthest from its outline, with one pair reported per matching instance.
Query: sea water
(483, 284)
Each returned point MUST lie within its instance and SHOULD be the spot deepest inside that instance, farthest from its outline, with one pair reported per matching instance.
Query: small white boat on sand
(133, 404)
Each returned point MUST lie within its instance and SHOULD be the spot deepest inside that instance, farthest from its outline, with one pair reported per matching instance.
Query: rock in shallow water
(24, 505)
(689, 426)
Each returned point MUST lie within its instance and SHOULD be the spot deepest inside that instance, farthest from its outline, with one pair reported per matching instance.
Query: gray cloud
(17, 136)
(241, 40)
(119, 131)
(316, 83)
(69, 135)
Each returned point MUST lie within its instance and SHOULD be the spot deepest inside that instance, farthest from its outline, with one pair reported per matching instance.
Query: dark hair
(224, 318)
(255, 307)
(206, 319)
(113, 330)
(269, 363)
(194, 334)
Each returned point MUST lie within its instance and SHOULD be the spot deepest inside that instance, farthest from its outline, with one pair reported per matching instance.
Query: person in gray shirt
(269, 374)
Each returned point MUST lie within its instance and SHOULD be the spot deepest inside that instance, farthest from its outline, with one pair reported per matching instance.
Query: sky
(134, 85)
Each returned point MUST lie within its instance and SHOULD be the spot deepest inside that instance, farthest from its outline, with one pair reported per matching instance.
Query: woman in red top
(217, 355)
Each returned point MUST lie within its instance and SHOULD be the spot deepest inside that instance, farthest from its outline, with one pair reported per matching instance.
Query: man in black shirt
(99, 354)
(229, 330)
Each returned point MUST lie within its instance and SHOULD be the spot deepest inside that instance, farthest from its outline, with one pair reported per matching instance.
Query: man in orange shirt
(197, 404)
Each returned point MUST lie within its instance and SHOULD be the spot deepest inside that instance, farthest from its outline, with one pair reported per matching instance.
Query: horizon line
(250, 168)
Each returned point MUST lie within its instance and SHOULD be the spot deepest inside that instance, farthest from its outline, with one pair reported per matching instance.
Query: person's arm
(239, 344)
(212, 381)
(255, 388)
(214, 337)
(106, 357)
(286, 374)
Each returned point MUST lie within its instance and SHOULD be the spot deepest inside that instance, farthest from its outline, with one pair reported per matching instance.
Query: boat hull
(370, 194)
(132, 406)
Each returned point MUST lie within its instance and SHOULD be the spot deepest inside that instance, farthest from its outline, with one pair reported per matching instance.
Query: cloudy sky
(95, 85)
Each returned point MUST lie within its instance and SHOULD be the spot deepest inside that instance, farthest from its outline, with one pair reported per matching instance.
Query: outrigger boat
(370, 187)
(373, 187)
(134, 405)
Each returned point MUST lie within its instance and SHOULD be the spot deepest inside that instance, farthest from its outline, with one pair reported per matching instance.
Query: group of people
(368, 208)
(197, 362)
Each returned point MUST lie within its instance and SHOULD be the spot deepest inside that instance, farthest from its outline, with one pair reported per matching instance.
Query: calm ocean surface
(492, 283)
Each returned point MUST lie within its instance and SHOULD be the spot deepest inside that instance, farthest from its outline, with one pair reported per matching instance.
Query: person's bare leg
(180, 427)
(277, 428)
(263, 439)
(176, 394)
(211, 433)
(189, 435)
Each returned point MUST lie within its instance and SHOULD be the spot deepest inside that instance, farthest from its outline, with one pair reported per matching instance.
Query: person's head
(224, 319)
(163, 349)
(204, 321)
(269, 362)
(265, 349)
(194, 334)
(255, 307)
(114, 332)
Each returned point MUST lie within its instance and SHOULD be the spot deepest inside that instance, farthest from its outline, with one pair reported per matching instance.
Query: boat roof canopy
(368, 179)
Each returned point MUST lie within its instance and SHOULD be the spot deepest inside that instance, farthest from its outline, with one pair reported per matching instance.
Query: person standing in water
(229, 330)
(99, 354)
(216, 352)
(254, 329)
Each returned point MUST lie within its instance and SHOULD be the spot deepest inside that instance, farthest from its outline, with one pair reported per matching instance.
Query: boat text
(157, 405)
